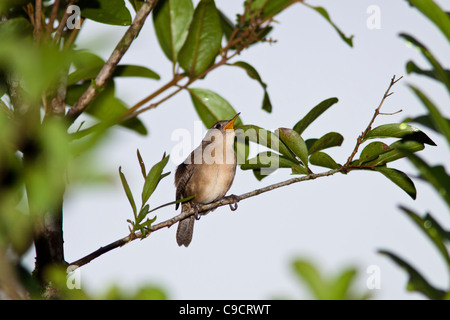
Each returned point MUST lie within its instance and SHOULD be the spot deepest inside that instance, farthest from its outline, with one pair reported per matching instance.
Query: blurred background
(334, 222)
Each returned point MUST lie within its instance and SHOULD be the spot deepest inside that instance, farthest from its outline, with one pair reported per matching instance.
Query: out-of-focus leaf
(322, 159)
(438, 120)
(399, 130)
(314, 114)
(263, 137)
(372, 151)
(432, 11)
(203, 41)
(433, 230)
(153, 178)
(137, 4)
(171, 19)
(108, 109)
(324, 13)
(330, 139)
(439, 72)
(437, 175)
(112, 12)
(252, 73)
(211, 107)
(395, 154)
(294, 142)
(416, 281)
(227, 25)
(400, 179)
(411, 67)
(426, 121)
(127, 190)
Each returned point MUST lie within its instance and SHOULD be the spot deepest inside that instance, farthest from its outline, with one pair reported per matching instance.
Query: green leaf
(400, 179)
(112, 12)
(324, 13)
(268, 159)
(127, 190)
(395, 153)
(437, 175)
(171, 20)
(252, 73)
(433, 230)
(137, 4)
(411, 67)
(426, 121)
(107, 108)
(203, 41)
(439, 72)
(263, 137)
(227, 25)
(438, 120)
(330, 139)
(314, 114)
(269, 8)
(142, 214)
(372, 151)
(322, 159)
(141, 164)
(128, 70)
(294, 142)
(433, 12)
(172, 202)
(399, 130)
(211, 107)
(416, 281)
(153, 178)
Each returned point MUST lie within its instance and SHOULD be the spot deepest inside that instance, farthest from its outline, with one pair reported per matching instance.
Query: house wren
(207, 174)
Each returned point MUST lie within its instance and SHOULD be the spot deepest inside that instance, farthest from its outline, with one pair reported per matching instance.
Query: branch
(375, 115)
(223, 202)
(107, 71)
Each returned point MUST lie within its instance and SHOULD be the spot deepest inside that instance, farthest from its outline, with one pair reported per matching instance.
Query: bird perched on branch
(207, 174)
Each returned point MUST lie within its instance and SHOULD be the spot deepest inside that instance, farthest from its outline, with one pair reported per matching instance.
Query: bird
(207, 174)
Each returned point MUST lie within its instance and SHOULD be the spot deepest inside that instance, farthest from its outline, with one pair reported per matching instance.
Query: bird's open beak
(230, 124)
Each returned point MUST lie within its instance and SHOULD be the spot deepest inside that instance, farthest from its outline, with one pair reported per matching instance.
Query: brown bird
(207, 174)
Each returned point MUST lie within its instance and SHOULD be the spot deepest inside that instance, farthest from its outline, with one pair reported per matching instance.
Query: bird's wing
(182, 175)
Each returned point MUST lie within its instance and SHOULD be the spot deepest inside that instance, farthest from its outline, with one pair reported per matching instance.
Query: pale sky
(335, 222)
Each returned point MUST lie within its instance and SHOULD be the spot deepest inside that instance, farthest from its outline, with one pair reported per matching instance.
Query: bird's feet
(196, 213)
(234, 204)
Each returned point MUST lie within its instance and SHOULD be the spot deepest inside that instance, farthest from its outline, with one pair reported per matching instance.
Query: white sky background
(335, 222)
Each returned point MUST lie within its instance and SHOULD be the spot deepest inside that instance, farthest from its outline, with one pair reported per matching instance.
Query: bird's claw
(196, 213)
(234, 204)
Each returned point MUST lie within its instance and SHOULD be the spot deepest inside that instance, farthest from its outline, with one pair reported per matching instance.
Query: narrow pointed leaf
(153, 178)
(312, 115)
(141, 164)
(211, 107)
(171, 20)
(329, 140)
(127, 190)
(322, 159)
(203, 41)
(400, 179)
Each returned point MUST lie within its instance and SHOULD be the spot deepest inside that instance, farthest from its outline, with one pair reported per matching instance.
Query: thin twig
(375, 115)
(223, 202)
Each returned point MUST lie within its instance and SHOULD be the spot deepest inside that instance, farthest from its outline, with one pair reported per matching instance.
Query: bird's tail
(185, 231)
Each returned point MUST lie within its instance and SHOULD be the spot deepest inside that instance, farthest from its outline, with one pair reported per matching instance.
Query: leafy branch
(291, 144)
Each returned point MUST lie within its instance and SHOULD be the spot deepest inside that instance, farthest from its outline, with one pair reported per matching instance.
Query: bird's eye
(218, 126)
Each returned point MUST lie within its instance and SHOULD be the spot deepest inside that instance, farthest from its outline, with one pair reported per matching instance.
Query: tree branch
(110, 65)
(223, 202)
